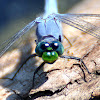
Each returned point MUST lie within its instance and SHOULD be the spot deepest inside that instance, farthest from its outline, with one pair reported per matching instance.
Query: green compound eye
(50, 57)
(49, 52)
(58, 47)
(41, 47)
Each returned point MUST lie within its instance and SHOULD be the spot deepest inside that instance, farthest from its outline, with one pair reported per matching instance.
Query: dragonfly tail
(50, 7)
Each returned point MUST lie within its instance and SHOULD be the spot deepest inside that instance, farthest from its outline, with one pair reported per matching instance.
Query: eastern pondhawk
(49, 34)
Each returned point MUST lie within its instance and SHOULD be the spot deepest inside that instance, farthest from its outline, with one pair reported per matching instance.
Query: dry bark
(51, 84)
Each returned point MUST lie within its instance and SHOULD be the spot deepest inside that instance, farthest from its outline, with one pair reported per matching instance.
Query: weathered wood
(66, 83)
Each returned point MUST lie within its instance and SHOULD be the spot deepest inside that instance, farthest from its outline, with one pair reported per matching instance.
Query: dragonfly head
(49, 51)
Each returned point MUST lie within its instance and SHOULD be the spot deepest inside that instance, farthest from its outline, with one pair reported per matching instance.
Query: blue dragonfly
(49, 35)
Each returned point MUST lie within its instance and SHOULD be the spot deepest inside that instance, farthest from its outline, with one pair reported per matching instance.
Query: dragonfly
(49, 35)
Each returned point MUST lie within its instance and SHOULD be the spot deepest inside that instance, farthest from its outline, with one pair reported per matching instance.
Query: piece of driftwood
(61, 80)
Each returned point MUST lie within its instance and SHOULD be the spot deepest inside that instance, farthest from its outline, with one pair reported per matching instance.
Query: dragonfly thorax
(48, 26)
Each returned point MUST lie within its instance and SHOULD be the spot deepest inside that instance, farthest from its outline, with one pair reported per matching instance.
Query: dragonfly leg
(82, 71)
(31, 56)
(37, 71)
(82, 63)
(68, 40)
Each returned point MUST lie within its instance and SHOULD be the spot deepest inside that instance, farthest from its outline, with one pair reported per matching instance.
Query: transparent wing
(14, 38)
(87, 23)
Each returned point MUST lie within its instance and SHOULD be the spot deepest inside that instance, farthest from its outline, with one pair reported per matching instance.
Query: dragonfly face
(49, 51)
